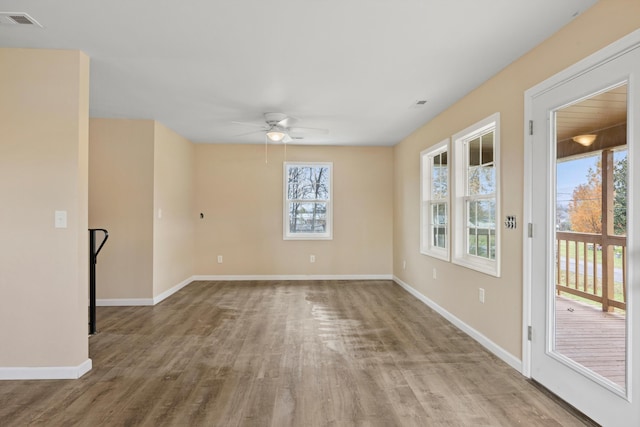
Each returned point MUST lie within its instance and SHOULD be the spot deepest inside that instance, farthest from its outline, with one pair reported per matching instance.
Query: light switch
(60, 219)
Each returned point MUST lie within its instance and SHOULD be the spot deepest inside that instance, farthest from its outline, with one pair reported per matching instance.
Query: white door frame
(602, 56)
(592, 69)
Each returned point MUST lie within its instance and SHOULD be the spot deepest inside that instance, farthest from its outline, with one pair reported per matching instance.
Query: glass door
(584, 228)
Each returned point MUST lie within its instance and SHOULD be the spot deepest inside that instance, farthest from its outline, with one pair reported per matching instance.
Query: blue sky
(572, 173)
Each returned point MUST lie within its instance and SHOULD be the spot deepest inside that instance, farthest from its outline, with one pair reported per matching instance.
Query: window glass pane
(442, 213)
(481, 224)
(438, 185)
(471, 247)
(439, 213)
(474, 152)
(443, 182)
(435, 181)
(308, 183)
(487, 148)
(436, 162)
(482, 180)
(439, 237)
(439, 224)
(307, 217)
(485, 213)
(471, 213)
(487, 179)
(483, 243)
(439, 177)
(434, 213)
(473, 181)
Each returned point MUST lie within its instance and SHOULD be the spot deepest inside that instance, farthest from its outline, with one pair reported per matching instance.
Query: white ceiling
(355, 67)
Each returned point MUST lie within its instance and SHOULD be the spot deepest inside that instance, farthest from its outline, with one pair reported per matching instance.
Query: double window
(472, 202)
(307, 201)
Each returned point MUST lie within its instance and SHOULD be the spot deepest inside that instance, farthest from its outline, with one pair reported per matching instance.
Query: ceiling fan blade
(288, 121)
(309, 131)
(255, 125)
(253, 132)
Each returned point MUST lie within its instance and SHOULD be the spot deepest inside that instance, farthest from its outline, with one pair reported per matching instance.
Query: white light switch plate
(60, 220)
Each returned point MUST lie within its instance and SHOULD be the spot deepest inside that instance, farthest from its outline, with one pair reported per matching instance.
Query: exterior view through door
(591, 228)
(581, 264)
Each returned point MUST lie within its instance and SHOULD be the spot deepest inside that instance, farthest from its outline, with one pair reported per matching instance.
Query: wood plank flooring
(307, 353)
(591, 337)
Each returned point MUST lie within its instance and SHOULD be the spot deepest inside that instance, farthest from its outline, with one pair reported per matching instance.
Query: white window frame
(427, 201)
(460, 254)
(328, 234)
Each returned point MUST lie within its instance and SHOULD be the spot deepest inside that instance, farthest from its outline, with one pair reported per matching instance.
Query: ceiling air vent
(418, 103)
(18, 18)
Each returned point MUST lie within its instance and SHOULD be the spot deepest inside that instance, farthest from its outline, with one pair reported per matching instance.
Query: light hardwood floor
(306, 353)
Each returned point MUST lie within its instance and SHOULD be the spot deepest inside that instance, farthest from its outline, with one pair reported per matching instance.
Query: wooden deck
(591, 337)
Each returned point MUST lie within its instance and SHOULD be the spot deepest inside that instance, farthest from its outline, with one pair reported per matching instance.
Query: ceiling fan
(279, 127)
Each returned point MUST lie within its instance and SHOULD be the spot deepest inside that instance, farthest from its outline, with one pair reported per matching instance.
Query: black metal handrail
(93, 259)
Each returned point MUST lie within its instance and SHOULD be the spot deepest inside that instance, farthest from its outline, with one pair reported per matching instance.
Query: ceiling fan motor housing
(273, 119)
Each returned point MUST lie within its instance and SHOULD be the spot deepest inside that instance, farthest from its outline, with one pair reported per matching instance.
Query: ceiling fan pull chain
(266, 159)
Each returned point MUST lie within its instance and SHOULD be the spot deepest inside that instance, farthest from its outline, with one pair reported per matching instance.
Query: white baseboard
(166, 294)
(494, 348)
(295, 277)
(46, 373)
(123, 302)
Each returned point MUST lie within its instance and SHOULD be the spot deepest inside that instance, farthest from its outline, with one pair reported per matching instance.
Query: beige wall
(174, 191)
(241, 198)
(139, 167)
(456, 288)
(43, 168)
(121, 201)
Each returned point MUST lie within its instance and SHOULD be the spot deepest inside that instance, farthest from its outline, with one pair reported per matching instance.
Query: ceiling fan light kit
(275, 135)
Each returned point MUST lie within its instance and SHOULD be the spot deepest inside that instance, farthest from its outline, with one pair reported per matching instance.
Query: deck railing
(592, 266)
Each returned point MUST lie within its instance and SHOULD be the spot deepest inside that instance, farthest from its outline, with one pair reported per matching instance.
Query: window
(307, 201)
(434, 217)
(476, 199)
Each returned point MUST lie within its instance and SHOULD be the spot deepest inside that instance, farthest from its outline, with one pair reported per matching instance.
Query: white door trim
(604, 55)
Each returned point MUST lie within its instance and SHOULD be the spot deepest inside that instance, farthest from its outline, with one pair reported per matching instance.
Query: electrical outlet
(219, 259)
(404, 264)
(481, 295)
(435, 274)
(312, 258)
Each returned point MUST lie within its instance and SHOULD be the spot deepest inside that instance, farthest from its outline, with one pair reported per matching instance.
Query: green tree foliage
(620, 195)
(585, 208)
